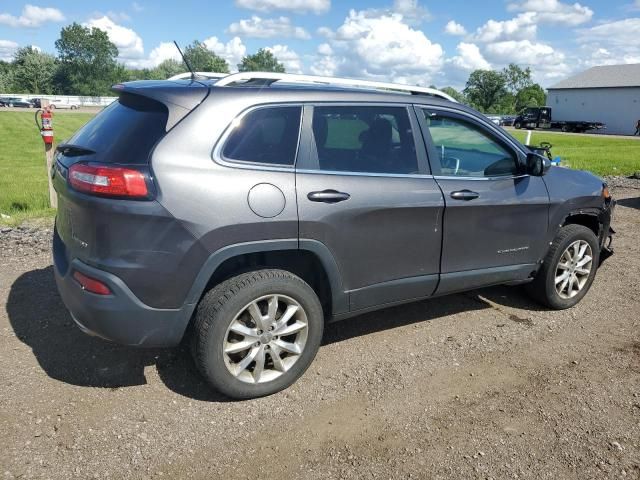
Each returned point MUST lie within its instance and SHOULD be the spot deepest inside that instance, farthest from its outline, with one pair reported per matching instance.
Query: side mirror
(537, 165)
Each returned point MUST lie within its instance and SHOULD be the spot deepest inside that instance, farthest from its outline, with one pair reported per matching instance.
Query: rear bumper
(120, 317)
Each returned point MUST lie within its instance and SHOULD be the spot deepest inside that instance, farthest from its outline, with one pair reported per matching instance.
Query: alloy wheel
(574, 268)
(265, 339)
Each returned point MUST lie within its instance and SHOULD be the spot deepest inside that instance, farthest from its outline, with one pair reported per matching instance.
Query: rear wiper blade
(71, 150)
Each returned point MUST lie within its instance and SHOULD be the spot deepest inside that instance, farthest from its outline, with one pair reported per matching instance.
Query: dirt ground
(479, 385)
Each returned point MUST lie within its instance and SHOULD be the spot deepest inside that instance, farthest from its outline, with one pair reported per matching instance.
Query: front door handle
(328, 196)
(464, 195)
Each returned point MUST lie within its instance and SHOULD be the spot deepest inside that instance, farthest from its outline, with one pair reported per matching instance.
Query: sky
(421, 42)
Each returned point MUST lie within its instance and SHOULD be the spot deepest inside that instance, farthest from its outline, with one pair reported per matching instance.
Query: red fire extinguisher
(45, 125)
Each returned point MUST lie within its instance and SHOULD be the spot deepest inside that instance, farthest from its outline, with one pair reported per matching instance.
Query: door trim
(484, 277)
(393, 291)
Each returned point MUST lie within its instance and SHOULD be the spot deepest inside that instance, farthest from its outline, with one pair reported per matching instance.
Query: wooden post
(48, 153)
(49, 150)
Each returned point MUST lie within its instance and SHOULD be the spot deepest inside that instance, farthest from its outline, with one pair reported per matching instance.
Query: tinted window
(364, 139)
(266, 135)
(467, 150)
(125, 131)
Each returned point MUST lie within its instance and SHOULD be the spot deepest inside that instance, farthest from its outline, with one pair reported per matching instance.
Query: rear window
(125, 131)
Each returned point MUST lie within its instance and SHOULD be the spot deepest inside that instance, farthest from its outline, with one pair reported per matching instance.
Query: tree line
(504, 92)
(86, 64)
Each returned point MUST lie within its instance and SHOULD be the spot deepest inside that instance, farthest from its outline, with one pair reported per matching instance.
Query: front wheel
(568, 270)
(517, 125)
(257, 333)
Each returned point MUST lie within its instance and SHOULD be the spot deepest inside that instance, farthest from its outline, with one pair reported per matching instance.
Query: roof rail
(267, 78)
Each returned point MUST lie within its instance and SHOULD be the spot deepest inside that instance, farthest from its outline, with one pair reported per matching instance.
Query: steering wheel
(452, 163)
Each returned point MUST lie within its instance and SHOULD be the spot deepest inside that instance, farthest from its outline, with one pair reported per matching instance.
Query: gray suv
(242, 214)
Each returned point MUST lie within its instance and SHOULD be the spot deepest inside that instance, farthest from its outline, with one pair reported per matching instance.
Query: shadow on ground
(633, 202)
(40, 320)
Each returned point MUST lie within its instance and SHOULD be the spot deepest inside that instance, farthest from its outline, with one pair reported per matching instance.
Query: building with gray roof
(608, 94)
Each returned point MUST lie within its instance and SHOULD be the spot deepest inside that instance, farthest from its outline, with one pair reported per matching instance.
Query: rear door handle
(328, 196)
(464, 195)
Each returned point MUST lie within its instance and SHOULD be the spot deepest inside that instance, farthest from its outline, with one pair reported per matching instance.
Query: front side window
(267, 135)
(467, 150)
(369, 139)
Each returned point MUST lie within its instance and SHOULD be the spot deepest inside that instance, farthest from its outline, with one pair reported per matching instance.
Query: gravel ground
(480, 385)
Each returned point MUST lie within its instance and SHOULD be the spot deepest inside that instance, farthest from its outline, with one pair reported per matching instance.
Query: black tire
(517, 125)
(219, 307)
(543, 287)
(566, 128)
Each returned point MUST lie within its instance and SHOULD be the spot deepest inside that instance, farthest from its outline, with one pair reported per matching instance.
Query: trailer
(541, 117)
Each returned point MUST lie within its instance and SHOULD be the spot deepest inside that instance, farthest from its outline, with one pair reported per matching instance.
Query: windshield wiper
(71, 150)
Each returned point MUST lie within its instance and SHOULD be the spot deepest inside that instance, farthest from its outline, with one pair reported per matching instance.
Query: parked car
(244, 214)
(495, 119)
(35, 102)
(63, 104)
(16, 102)
(507, 120)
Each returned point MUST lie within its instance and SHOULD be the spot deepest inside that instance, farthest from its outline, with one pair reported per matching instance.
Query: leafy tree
(6, 77)
(33, 71)
(532, 96)
(202, 59)
(459, 96)
(516, 78)
(88, 63)
(168, 68)
(261, 61)
(485, 89)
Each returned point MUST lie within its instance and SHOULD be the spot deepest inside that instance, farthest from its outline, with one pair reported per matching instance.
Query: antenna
(184, 59)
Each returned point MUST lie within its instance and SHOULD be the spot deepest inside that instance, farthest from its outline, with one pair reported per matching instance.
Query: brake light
(91, 284)
(108, 181)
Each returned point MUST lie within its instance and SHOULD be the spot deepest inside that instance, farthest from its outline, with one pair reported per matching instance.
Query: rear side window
(267, 135)
(368, 139)
(124, 132)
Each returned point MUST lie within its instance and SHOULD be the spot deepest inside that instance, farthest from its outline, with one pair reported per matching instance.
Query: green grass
(23, 176)
(602, 155)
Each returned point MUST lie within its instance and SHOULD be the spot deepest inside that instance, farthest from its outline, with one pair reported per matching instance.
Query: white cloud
(454, 28)
(325, 49)
(136, 7)
(380, 46)
(287, 57)
(617, 43)
(129, 43)
(554, 11)
(469, 58)
(621, 33)
(546, 62)
(164, 51)
(267, 28)
(519, 28)
(32, 17)
(297, 6)
(232, 51)
(7, 49)
(411, 11)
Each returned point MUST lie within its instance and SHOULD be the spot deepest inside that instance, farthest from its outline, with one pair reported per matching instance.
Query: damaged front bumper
(606, 232)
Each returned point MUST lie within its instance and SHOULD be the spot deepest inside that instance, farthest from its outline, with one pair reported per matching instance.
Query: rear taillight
(91, 284)
(108, 181)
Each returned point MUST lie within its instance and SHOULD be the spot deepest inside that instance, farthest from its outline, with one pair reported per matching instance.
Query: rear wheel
(257, 333)
(517, 125)
(568, 269)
